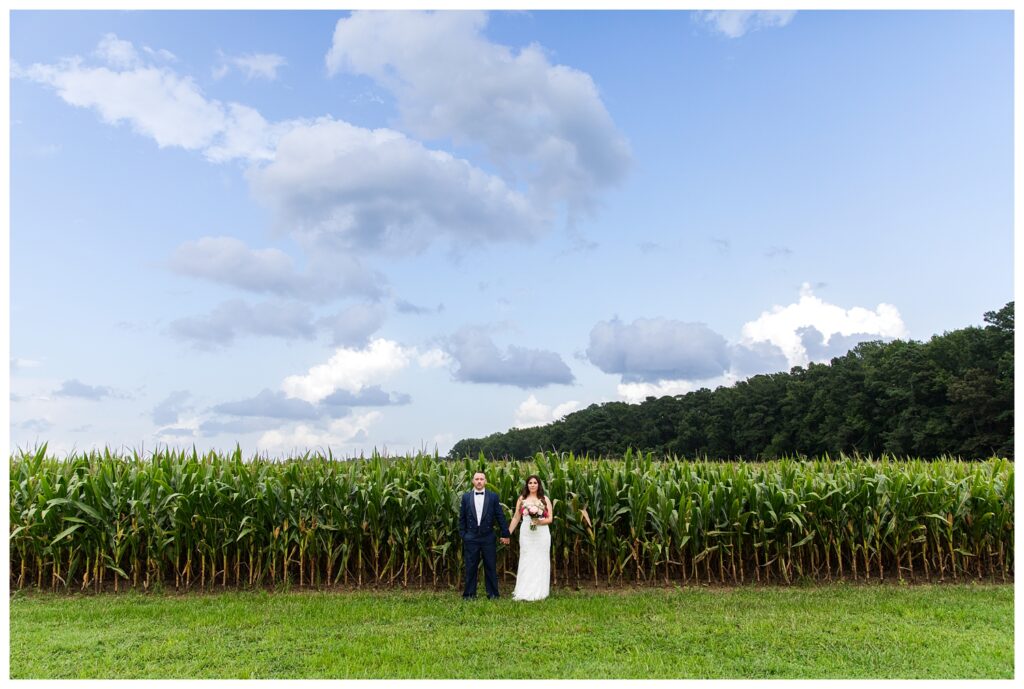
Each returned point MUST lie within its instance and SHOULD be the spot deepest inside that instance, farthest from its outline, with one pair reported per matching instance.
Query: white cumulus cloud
(247, 136)
(782, 325)
(117, 52)
(532, 412)
(434, 358)
(340, 187)
(353, 369)
(638, 392)
(659, 357)
(545, 123)
(354, 429)
(481, 361)
(651, 349)
(343, 191)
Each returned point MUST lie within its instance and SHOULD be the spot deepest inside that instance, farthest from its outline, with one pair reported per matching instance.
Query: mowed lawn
(828, 631)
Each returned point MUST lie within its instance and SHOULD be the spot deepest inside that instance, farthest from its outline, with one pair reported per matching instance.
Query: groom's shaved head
(479, 473)
(479, 480)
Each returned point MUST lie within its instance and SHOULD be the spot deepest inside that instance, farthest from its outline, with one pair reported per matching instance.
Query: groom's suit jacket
(492, 512)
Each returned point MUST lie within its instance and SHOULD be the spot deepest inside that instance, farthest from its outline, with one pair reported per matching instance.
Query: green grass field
(835, 631)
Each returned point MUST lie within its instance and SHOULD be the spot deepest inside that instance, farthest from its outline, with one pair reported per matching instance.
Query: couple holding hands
(479, 512)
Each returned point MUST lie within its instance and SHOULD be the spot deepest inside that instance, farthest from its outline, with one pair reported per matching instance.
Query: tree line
(951, 395)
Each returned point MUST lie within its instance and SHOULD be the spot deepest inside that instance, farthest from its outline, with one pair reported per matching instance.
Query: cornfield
(101, 521)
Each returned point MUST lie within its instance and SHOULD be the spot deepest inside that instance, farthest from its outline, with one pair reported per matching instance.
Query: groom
(479, 510)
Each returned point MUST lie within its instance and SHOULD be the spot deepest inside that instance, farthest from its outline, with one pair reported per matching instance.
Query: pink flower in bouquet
(535, 512)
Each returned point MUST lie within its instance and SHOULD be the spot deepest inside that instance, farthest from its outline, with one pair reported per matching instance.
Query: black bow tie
(478, 493)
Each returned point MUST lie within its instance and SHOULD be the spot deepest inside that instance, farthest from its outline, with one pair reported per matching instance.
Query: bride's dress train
(533, 579)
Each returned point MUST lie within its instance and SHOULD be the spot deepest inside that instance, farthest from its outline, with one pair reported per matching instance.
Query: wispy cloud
(169, 410)
(736, 23)
(76, 388)
(20, 364)
(160, 53)
(46, 150)
(157, 102)
(403, 306)
(778, 251)
(234, 318)
(229, 261)
(286, 319)
(275, 404)
(252, 65)
(37, 425)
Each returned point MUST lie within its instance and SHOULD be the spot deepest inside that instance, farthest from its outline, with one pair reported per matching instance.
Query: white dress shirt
(478, 500)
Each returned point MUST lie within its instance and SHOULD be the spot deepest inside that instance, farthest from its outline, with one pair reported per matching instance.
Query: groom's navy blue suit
(478, 541)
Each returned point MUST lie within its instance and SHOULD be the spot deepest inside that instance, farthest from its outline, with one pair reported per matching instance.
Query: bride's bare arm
(515, 517)
(551, 512)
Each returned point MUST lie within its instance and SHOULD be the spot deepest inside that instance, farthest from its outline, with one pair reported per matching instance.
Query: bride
(533, 578)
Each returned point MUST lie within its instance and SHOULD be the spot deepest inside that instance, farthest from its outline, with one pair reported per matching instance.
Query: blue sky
(395, 230)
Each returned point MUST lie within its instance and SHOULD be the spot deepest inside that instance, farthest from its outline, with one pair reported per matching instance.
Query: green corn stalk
(103, 520)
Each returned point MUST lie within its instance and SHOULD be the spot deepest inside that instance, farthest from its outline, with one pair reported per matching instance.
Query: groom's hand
(505, 541)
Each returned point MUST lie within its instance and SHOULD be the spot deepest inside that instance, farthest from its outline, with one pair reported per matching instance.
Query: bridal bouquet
(535, 512)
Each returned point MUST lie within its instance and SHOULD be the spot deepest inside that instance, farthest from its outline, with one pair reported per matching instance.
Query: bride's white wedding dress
(533, 579)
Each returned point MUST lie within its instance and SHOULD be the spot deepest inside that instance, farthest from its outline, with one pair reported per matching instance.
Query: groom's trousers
(474, 548)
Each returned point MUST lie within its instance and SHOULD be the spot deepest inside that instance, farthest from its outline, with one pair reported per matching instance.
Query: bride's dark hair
(526, 487)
